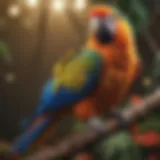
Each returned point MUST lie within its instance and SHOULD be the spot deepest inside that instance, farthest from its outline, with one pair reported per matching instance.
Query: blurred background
(36, 33)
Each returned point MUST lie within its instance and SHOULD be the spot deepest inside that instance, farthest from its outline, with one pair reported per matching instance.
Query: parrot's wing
(52, 101)
(55, 100)
(38, 127)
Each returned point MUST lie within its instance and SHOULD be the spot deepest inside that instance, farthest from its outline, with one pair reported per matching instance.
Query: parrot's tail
(35, 136)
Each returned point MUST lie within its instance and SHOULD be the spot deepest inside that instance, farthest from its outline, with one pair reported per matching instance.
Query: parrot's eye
(93, 24)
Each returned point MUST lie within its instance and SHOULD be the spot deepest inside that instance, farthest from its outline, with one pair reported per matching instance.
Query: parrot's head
(104, 23)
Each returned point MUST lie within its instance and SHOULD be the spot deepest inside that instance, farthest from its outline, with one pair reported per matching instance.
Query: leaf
(119, 146)
(139, 16)
(135, 10)
(3, 49)
(4, 53)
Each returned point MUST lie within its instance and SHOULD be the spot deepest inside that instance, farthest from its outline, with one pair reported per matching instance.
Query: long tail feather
(36, 129)
(37, 133)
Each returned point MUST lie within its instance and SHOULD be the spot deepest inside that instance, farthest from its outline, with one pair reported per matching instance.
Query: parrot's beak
(104, 34)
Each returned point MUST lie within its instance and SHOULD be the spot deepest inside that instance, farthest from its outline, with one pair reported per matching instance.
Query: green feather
(77, 68)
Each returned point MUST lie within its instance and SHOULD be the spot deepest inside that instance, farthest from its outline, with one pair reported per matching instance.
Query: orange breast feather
(119, 68)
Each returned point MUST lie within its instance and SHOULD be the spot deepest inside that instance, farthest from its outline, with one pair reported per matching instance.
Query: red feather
(100, 11)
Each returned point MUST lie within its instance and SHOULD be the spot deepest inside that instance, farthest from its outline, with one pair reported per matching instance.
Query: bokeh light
(147, 81)
(14, 11)
(31, 3)
(10, 77)
(80, 4)
(59, 5)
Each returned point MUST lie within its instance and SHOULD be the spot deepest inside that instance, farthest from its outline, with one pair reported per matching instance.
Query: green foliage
(149, 124)
(3, 49)
(119, 146)
(4, 53)
(136, 11)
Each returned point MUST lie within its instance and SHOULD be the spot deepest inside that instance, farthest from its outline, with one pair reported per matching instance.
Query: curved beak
(104, 34)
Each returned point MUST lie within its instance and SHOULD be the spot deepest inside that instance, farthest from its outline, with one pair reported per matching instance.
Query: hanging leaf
(135, 10)
(3, 49)
(4, 53)
(139, 16)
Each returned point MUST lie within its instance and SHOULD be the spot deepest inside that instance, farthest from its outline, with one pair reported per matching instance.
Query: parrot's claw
(96, 123)
(122, 121)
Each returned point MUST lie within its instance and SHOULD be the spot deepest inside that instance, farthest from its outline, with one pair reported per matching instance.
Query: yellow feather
(59, 69)
(71, 73)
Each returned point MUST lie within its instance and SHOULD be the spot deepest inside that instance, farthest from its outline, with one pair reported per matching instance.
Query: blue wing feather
(54, 101)
(29, 136)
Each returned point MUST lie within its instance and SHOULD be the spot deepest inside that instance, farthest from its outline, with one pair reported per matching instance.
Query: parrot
(86, 84)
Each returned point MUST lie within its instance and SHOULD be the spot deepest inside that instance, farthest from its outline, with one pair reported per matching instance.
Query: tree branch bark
(81, 140)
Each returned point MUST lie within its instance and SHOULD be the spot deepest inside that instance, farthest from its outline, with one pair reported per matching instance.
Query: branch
(80, 140)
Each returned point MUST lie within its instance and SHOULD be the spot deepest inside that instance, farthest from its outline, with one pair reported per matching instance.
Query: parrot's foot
(96, 123)
(120, 118)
